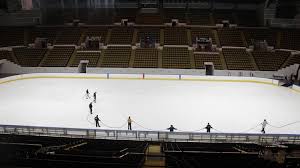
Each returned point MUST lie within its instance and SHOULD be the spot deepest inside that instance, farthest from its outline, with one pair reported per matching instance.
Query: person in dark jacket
(208, 127)
(97, 121)
(172, 128)
(91, 107)
(95, 96)
(129, 121)
(87, 94)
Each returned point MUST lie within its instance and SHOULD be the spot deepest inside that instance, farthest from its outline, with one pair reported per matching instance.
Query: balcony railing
(140, 135)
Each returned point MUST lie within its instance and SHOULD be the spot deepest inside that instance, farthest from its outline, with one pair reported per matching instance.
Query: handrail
(142, 135)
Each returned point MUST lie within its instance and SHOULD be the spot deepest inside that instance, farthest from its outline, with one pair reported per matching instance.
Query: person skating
(264, 124)
(97, 121)
(129, 121)
(208, 127)
(91, 107)
(95, 96)
(87, 94)
(171, 128)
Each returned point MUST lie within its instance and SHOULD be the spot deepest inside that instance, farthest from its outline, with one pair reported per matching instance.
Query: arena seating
(6, 55)
(11, 36)
(29, 57)
(146, 58)
(125, 13)
(213, 155)
(199, 17)
(290, 39)
(230, 37)
(295, 59)
(203, 33)
(59, 56)
(100, 16)
(121, 35)
(117, 57)
(260, 34)
(176, 58)
(153, 33)
(237, 59)
(175, 36)
(93, 58)
(175, 13)
(200, 58)
(221, 15)
(270, 61)
(44, 32)
(69, 35)
(149, 18)
(54, 152)
(96, 32)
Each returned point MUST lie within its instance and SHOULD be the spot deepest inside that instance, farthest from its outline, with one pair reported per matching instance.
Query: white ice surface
(154, 104)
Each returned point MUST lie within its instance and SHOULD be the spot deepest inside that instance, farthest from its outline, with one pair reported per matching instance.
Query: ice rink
(229, 106)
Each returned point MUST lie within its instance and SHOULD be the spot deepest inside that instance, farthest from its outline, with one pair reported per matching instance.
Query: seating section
(6, 55)
(146, 58)
(176, 58)
(153, 33)
(11, 36)
(199, 17)
(59, 56)
(92, 57)
(29, 57)
(125, 13)
(290, 39)
(69, 35)
(31, 151)
(149, 18)
(175, 36)
(237, 59)
(221, 15)
(96, 32)
(101, 16)
(260, 34)
(202, 33)
(117, 57)
(201, 58)
(175, 13)
(214, 156)
(44, 32)
(230, 37)
(270, 61)
(295, 59)
(121, 35)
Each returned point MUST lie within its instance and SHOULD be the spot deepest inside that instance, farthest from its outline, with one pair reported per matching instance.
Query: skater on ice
(97, 121)
(264, 124)
(208, 127)
(87, 94)
(91, 107)
(95, 96)
(129, 121)
(171, 128)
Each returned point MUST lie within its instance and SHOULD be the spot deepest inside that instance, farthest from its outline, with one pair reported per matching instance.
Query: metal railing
(140, 135)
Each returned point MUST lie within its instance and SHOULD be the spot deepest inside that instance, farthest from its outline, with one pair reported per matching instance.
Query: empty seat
(176, 58)
(270, 61)
(121, 35)
(230, 37)
(29, 57)
(175, 36)
(237, 59)
(59, 56)
(146, 58)
(116, 57)
(92, 57)
(201, 58)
